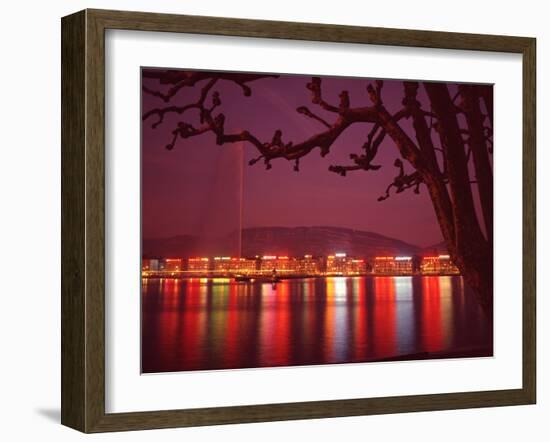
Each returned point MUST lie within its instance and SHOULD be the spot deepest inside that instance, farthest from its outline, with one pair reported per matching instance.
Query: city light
(438, 265)
(268, 266)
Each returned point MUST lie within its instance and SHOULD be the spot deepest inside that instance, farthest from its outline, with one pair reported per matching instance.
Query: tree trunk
(468, 247)
(475, 274)
(480, 155)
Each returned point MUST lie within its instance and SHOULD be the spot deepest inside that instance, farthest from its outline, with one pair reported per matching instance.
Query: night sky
(196, 188)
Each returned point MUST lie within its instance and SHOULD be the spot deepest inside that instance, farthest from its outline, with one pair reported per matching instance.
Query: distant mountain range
(291, 241)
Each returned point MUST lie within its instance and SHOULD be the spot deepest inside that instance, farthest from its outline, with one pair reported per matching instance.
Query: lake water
(199, 324)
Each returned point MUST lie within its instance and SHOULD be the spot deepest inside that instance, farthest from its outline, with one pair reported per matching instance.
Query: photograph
(291, 220)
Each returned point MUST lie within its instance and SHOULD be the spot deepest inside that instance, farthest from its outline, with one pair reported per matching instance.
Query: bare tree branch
(403, 181)
(178, 80)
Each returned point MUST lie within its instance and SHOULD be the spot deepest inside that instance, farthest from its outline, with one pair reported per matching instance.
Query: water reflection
(199, 324)
(404, 313)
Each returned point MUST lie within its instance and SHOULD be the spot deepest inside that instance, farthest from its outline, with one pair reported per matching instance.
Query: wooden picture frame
(83, 220)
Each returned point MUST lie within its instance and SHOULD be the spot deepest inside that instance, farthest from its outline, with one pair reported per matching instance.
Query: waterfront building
(281, 264)
(226, 264)
(355, 266)
(437, 265)
(308, 265)
(393, 265)
(198, 265)
(335, 264)
(150, 265)
(172, 265)
(243, 265)
(338, 264)
(341, 264)
(222, 264)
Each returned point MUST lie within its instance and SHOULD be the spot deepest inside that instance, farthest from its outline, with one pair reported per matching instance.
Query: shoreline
(266, 278)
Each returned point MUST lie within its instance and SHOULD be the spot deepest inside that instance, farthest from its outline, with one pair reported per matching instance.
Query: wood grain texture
(529, 221)
(95, 222)
(73, 128)
(144, 21)
(83, 219)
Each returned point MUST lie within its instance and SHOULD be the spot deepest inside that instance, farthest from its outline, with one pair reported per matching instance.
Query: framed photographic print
(268, 220)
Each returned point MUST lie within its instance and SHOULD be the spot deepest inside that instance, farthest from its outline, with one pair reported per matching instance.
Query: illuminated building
(437, 265)
(173, 265)
(199, 265)
(355, 266)
(226, 264)
(281, 264)
(170, 265)
(150, 265)
(308, 265)
(341, 264)
(222, 264)
(336, 264)
(393, 265)
(243, 265)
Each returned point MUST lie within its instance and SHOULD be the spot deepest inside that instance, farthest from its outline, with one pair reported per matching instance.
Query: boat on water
(263, 279)
(243, 278)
